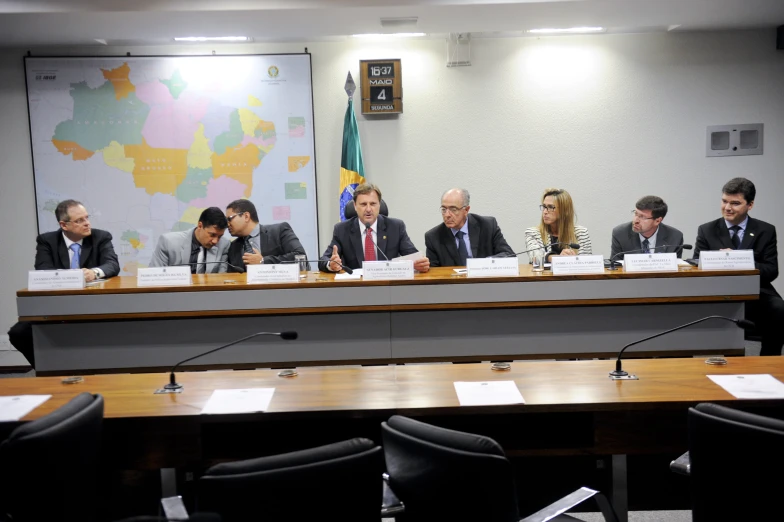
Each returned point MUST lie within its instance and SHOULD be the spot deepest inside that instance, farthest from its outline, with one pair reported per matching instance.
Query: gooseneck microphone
(348, 270)
(614, 261)
(618, 373)
(173, 385)
(543, 247)
(369, 231)
(212, 263)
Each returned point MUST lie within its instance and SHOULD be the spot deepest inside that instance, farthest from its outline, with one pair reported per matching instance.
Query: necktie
(75, 262)
(646, 246)
(370, 248)
(735, 237)
(248, 248)
(201, 268)
(462, 251)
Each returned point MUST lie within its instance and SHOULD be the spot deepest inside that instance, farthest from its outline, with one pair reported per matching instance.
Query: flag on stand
(352, 170)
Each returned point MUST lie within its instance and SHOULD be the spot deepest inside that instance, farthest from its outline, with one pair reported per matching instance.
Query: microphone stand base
(170, 388)
(625, 377)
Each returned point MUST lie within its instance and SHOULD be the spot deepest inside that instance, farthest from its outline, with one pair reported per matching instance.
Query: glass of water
(304, 266)
(537, 261)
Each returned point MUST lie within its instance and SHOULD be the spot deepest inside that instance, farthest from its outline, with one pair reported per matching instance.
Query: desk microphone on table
(348, 270)
(212, 263)
(174, 386)
(543, 247)
(619, 374)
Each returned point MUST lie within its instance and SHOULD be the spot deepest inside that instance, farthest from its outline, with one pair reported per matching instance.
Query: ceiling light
(568, 30)
(396, 35)
(212, 39)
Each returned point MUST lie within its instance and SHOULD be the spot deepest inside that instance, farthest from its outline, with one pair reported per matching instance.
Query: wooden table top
(436, 276)
(412, 390)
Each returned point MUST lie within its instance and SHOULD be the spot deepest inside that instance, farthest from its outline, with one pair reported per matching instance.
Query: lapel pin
(385, 237)
(751, 234)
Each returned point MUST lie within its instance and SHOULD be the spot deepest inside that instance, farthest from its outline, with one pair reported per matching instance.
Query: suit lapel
(185, 250)
(634, 239)
(473, 235)
(724, 233)
(662, 239)
(356, 242)
(84, 254)
(381, 233)
(264, 241)
(749, 235)
(448, 240)
(62, 252)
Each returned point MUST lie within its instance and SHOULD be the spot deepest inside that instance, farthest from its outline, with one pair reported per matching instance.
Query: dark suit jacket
(97, 252)
(393, 241)
(483, 233)
(625, 239)
(278, 243)
(759, 236)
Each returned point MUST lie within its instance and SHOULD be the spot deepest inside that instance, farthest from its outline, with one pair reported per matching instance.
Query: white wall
(609, 117)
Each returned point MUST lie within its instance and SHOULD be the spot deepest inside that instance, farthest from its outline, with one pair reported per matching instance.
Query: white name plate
(493, 266)
(565, 265)
(387, 270)
(664, 262)
(727, 260)
(164, 276)
(55, 280)
(282, 273)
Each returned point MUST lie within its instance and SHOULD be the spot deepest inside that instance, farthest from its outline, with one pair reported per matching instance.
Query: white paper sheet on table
(753, 386)
(357, 274)
(15, 407)
(412, 257)
(247, 400)
(681, 262)
(488, 393)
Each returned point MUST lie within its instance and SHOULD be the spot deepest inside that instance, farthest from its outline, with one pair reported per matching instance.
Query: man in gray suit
(203, 247)
(646, 233)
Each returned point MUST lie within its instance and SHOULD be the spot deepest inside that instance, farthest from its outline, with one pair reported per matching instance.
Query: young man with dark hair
(203, 247)
(736, 230)
(645, 232)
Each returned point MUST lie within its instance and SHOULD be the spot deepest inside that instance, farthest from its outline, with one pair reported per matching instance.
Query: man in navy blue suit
(368, 236)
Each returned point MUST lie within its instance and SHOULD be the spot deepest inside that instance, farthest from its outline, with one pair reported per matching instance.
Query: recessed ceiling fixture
(212, 39)
(569, 30)
(396, 35)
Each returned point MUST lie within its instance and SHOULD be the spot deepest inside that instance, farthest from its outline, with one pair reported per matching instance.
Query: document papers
(248, 400)
(762, 386)
(15, 407)
(410, 257)
(488, 393)
(357, 274)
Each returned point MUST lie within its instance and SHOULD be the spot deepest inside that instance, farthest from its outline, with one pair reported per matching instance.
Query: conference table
(572, 409)
(117, 326)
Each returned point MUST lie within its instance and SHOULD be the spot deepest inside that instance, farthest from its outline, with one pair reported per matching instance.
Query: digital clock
(381, 86)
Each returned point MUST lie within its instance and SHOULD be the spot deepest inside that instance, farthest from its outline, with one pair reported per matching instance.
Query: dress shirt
(68, 244)
(464, 230)
(742, 226)
(651, 241)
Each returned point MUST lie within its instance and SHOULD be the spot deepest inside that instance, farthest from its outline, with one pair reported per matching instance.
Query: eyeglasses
(80, 221)
(640, 216)
(229, 218)
(548, 208)
(451, 210)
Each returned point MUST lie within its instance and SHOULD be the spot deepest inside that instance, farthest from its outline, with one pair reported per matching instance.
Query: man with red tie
(368, 236)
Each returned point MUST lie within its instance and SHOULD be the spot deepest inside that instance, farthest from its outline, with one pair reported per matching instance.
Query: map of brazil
(147, 143)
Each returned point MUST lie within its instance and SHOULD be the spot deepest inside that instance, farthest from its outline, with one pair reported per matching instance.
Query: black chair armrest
(390, 504)
(681, 465)
(569, 501)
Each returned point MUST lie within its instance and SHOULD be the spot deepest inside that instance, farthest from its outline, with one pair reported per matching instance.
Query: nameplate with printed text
(387, 270)
(38, 280)
(283, 273)
(727, 260)
(662, 262)
(164, 276)
(566, 265)
(491, 266)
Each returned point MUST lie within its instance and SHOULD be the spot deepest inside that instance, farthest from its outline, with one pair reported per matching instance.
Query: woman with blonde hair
(557, 228)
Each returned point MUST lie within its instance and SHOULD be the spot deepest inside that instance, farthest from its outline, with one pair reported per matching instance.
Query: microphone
(618, 373)
(348, 270)
(613, 261)
(173, 385)
(369, 231)
(544, 247)
(211, 263)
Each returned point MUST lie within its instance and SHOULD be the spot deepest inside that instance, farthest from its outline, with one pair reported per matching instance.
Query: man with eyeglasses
(736, 230)
(463, 236)
(255, 243)
(76, 245)
(646, 233)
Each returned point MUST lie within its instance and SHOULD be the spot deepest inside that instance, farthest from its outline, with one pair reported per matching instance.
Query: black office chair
(733, 461)
(342, 478)
(441, 474)
(49, 465)
(351, 212)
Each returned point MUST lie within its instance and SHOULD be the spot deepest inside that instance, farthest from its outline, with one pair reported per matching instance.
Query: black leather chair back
(351, 212)
(735, 461)
(442, 474)
(342, 478)
(50, 465)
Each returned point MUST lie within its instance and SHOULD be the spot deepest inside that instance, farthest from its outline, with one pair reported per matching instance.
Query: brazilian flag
(352, 170)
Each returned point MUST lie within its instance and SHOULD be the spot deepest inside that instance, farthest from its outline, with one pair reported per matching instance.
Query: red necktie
(370, 248)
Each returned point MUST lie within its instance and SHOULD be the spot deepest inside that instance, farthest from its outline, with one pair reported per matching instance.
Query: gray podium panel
(162, 343)
(523, 331)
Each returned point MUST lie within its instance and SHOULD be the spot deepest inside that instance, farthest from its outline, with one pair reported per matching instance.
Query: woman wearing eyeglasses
(557, 228)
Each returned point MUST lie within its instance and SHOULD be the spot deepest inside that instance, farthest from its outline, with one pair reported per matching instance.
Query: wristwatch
(97, 273)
